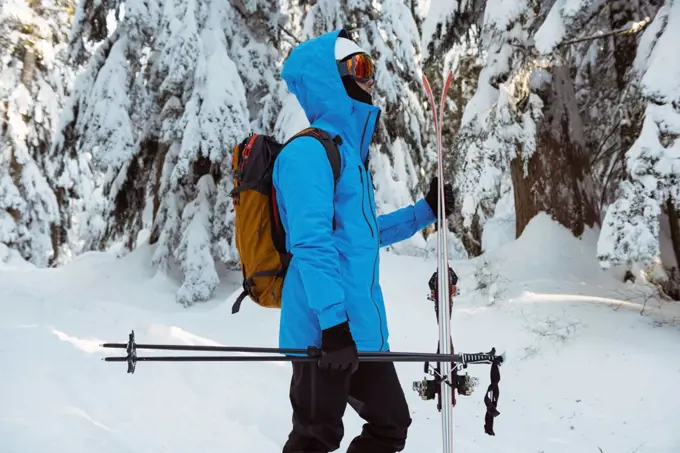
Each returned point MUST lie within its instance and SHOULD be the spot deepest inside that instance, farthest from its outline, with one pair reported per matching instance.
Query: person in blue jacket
(331, 296)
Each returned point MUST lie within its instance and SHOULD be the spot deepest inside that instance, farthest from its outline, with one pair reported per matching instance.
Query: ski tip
(426, 82)
(447, 84)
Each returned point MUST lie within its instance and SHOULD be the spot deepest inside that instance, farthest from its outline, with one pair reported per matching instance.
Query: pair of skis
(441, 285)
(446, 380)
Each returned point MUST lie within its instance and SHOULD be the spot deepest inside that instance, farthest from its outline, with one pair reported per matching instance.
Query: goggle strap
(342, 67)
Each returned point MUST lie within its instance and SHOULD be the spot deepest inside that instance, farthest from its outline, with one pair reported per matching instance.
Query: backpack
(259, 236)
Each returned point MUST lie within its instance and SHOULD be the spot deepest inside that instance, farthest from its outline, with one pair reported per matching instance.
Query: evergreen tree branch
(599, 154)
(373, 15)
(240, 8)
(620, 154)
(289, 33)
(635, 27)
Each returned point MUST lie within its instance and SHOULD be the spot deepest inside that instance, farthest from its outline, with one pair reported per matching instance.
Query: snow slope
(585, 369)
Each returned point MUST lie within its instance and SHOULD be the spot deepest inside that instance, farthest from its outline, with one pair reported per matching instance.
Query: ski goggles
(360, 67)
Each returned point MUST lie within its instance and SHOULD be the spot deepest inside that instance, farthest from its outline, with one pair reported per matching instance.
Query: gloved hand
(338, 350)
(432, 197)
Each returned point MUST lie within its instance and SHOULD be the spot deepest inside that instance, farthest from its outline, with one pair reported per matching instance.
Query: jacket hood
(312, 76)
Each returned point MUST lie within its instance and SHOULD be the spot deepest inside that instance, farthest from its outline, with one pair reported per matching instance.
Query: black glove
(338, 350)
(432, 197)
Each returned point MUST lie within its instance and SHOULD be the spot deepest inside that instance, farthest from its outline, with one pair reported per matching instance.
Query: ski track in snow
(584, 370)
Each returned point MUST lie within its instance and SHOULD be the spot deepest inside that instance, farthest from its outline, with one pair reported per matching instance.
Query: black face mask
(355, 91)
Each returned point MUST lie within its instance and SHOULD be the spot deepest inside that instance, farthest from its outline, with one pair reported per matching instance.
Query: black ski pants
(319, 398)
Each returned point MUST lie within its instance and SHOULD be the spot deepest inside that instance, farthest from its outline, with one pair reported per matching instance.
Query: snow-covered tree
(450, 41)
(489, 132)
(163, 99)
(630, 233)
(598, 39)
(447, 24)
(34, 81)
(96, 139)
(522, 122)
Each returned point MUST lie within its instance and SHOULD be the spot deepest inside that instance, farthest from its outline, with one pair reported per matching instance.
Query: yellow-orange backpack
(260, 237)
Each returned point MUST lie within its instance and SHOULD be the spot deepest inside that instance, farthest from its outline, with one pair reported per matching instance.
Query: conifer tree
(630, 233)
(522, 122)
(162, 100)
(34, 81)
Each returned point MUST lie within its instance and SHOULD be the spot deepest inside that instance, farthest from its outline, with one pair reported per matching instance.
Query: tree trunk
(621, 12)
(557, 180)
(28, 68)
(470, 237)
(674, 220)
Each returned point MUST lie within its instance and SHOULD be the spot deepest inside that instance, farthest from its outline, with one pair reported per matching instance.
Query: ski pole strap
(491, 397)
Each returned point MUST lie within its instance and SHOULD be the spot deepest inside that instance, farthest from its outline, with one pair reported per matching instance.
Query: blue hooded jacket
(334, 274)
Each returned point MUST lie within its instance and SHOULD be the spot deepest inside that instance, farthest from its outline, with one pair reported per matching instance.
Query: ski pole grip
(481, 357)
(476, 358)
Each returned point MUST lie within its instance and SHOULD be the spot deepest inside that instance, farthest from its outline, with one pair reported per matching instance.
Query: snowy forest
(119, 118)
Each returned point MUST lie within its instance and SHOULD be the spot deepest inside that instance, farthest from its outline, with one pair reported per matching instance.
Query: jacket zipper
(372, 200)
(382, 335)
(363, 193)
(361, 147)
(375, 259)
(363, 135)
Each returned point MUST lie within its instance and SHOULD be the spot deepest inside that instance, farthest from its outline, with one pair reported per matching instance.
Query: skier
(331, 297)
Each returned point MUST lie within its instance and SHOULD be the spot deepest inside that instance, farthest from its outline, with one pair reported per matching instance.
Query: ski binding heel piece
(426, 389)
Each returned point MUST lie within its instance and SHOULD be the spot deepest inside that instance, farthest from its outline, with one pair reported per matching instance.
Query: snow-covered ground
(586, 371)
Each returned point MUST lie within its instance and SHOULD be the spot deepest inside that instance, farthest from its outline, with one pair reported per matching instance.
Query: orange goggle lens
(359, 66)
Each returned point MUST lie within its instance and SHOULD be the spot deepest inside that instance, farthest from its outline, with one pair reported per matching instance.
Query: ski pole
(456, 358)
(312, 352)
(180, 347)
(463, 359)
(309, 354)
(266, 358)
(132, 359)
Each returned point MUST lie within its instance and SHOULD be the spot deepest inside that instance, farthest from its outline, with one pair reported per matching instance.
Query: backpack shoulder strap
(330, 145)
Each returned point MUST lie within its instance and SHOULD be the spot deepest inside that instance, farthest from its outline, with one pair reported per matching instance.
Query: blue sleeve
(405, 222)
(305, 186)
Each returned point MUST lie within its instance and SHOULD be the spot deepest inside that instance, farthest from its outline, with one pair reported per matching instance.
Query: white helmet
(345, 47)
